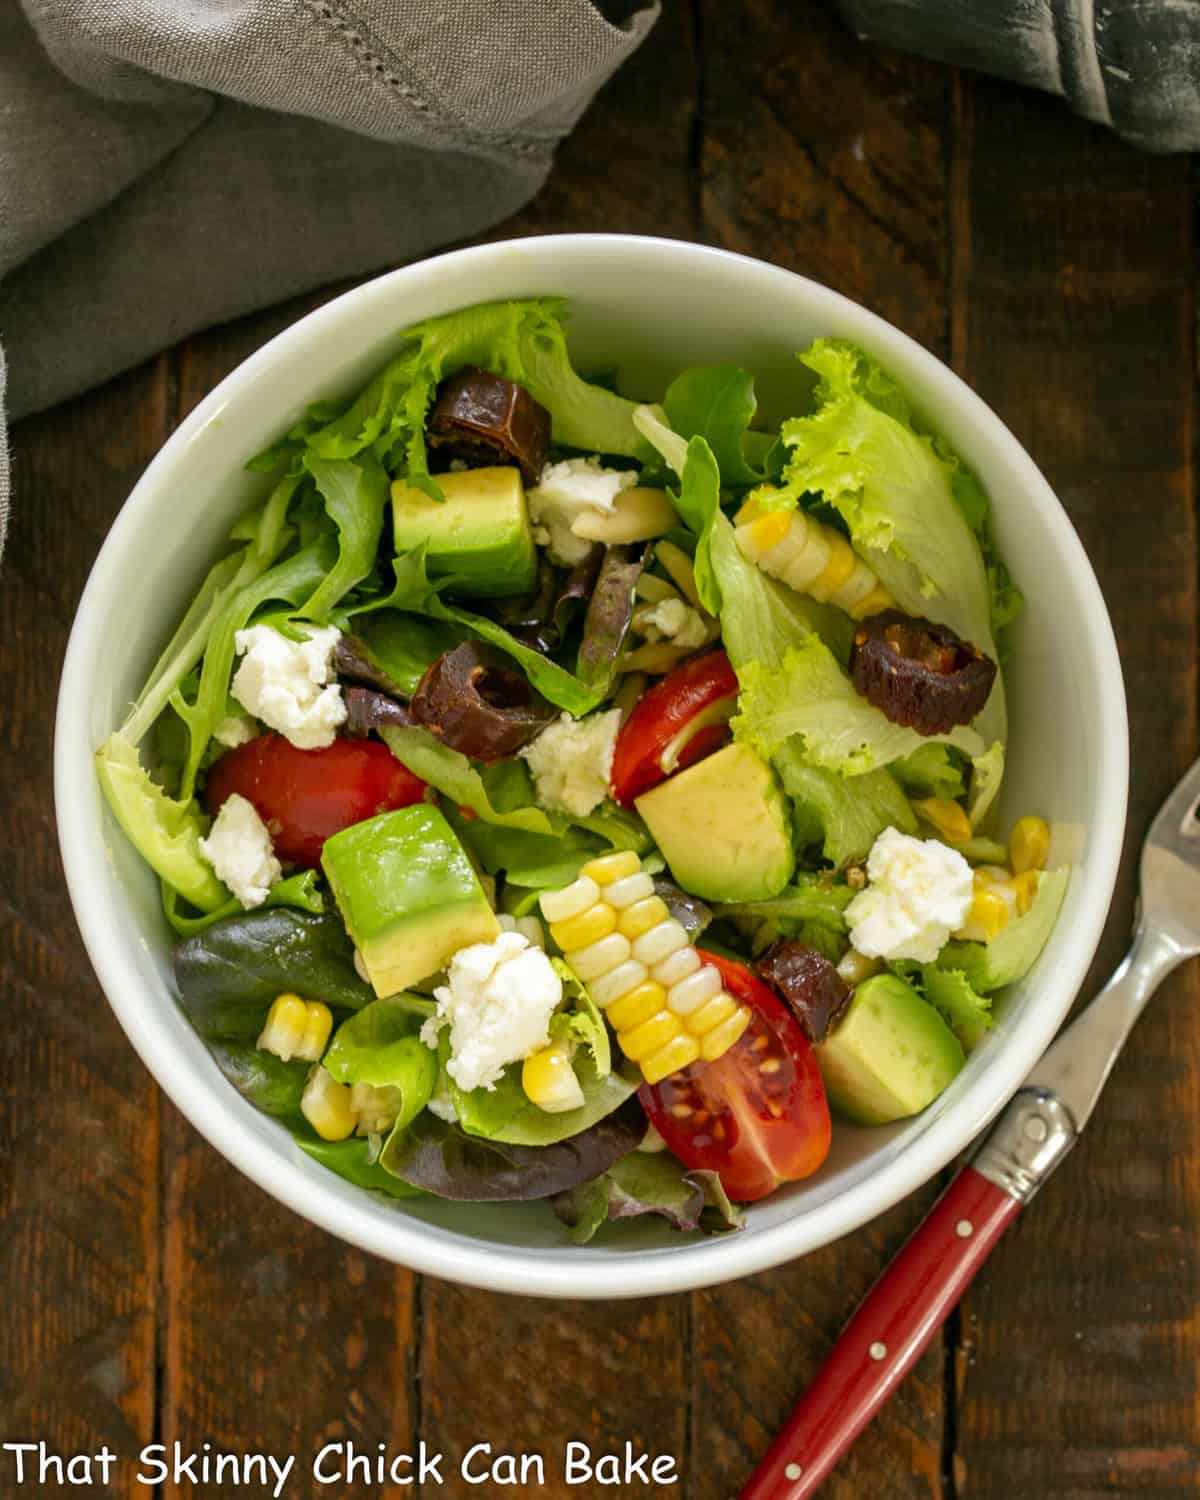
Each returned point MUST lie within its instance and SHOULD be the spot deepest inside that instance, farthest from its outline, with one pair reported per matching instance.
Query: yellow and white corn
(1029, 844)
(326, 1105)
(948, 820)
(665, 1004)
(549, 1079)
(810, 557)
(999, 897)
(296, 1028)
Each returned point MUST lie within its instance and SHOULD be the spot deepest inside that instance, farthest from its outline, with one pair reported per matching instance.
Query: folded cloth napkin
(166, 164)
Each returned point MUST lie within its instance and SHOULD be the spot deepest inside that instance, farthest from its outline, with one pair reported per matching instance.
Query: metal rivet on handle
(793, 1471)
(1036, 1128)
(964, 1229)
(878, 1351)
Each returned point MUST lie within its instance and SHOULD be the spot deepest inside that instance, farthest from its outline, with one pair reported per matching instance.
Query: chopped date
(919, 674)
(485, 419)
(479, 705)
(809, 984)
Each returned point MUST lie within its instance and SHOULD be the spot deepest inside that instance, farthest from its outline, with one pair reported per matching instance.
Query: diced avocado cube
(480, 532)
(407, 893)
(890, 1056)
(722, 826)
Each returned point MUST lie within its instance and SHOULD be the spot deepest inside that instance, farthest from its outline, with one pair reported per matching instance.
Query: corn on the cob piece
(296, 1028)
(810, 557)
(549, 1079)
(666, 1005)
(325, 1104)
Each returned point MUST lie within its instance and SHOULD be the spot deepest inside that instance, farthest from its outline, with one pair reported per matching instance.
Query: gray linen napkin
(167, 164)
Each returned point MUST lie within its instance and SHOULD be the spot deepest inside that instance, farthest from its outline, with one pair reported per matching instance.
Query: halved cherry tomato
(758, 1115)
(679, 720)
(306, 796)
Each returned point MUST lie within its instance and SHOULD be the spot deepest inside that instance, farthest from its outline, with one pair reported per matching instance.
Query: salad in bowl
(556, 796)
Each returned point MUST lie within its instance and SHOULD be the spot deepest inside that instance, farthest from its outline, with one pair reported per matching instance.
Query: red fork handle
(886, 1336)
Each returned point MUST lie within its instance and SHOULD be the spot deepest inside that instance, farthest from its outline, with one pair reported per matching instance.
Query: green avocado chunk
(890, 1056)
(407, 893)
(479, 532)
(722, 826)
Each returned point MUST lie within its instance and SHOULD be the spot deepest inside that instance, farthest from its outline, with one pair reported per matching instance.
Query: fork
(908, 1304)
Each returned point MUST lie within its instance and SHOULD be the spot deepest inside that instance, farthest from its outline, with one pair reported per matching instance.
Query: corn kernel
(617, 982)
(549, 1080)
(588, 927)
(691, 993)
(532, 931)
(650, 1035)
(751, 510)
(660, 942)
(1029, 844)
(325, 1104)
(642, 1002)
(989, 875)
(711, 1014)
(676, 966)
(559, 906)
(296, 1028)
(839, 567)
(598, 958)
(718, 1041)
(642, 916)
(946, 817)
(987, 918)
(1026, 886)
(629, 890)
(854, 966)
(610, 867)
(873, 604)
(678, 1053)
(770, 529)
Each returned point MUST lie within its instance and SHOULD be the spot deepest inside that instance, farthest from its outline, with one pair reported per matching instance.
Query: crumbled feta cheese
(287, 684)
(675, 621)
(567, 490)
(571, 761)
(237, 729)
(441, 1104)
(919, 892)
(497, 1001)
(239, 850)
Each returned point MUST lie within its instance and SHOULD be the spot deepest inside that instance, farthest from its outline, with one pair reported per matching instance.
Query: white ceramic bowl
(654, 307)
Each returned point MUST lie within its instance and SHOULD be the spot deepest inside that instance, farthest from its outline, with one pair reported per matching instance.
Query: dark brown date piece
(484, 419)
(479, 705)
(368, 709)
(919, 674)
(808, 983)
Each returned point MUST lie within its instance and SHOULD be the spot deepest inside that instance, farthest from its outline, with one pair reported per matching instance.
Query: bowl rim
(554, 1273)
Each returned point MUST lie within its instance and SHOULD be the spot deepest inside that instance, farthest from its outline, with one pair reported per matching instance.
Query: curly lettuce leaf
(716, 403)
(987, 772)
(810, 699)
(933, 770)
(698, 500)
(906, 500)
(967, 1012)
(845, 815)
(987, 967)
(355, 496)
(165, 831)
(649, 1183)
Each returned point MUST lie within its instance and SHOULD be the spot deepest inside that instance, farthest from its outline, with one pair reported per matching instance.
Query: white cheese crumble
(287, 684)
(919, 892)
(498, 1000)
(239, 850)
(571, 761)
(564, 492)
(441, 1104)
(235, 730)
(675, 621)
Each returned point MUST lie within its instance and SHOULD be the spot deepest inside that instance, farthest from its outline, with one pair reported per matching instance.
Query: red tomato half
(757, 1116)
(306, 796)
(679, 720)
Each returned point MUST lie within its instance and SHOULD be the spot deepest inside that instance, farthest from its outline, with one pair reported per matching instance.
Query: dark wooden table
(151, 1294)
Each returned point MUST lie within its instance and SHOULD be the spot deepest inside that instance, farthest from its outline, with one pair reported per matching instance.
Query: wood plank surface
(79, 1115)
(1078, 1369)
(154, 1293)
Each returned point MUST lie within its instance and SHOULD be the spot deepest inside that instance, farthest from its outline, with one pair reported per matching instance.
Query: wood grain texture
(79, 1119)
(830, 159)
(826, 157)
(1079, 1364)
